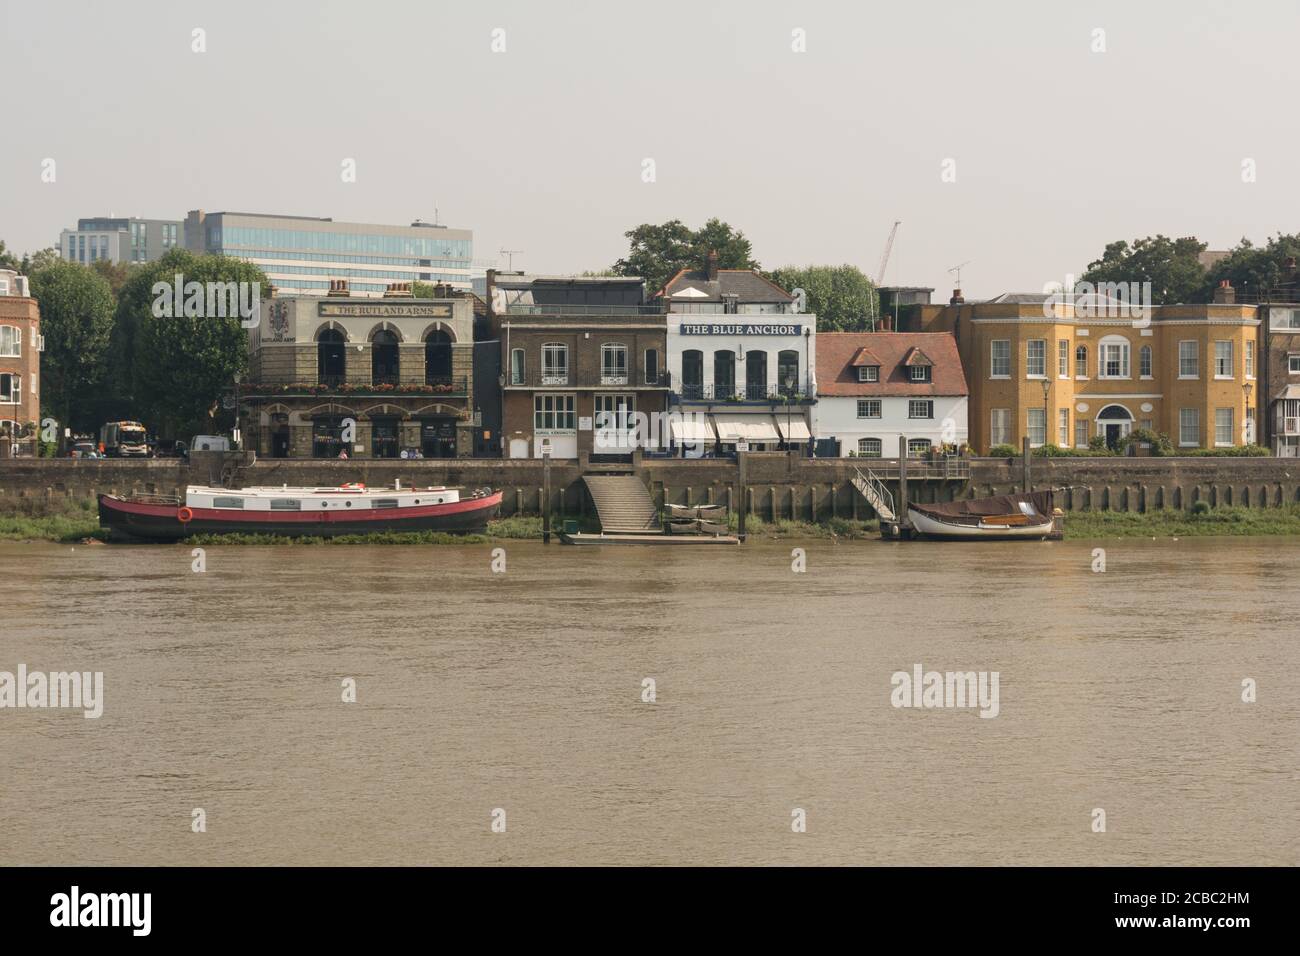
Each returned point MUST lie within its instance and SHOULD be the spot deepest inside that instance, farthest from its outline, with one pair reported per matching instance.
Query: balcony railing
(333, 385)
(519, 309)
(744, 393)
(585, 379)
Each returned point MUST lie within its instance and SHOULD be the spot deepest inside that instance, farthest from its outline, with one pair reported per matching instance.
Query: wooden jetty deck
(648, 538)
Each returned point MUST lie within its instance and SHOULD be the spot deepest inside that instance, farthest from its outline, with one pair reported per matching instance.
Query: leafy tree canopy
(657, 253)
(1170, 265)
(842, 297)
(180, 367)
(1255, 270)
(76, 306)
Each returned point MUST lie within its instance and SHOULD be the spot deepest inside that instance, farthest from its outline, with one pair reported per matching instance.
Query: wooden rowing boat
(998, 517)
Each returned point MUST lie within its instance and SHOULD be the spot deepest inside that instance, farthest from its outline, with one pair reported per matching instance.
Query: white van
(210, 443)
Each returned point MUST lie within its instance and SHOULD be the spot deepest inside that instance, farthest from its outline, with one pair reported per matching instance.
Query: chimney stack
(956, 298)
(339, 289)
(398, 290)
(713, 265)
(1225, 294)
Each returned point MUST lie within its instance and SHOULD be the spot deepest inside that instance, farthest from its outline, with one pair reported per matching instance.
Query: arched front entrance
(1113, 423)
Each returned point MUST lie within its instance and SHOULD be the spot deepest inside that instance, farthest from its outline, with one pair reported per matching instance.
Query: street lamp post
(1047, 384)
(789, 397)
(238, 377)
(1250, 423)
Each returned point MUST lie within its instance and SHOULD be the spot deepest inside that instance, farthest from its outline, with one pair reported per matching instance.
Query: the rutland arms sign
(710, 328)
(384, 310)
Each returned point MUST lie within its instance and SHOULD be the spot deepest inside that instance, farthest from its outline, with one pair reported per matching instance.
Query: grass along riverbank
(78, 522)
(1207, 522)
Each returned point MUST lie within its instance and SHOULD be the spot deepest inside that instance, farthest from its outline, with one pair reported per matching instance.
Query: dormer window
(868, 373)
(920, 373)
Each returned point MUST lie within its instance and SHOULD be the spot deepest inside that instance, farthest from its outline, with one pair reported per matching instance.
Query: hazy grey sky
(1057, 149)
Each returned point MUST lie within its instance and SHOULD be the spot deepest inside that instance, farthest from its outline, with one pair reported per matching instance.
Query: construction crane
(889, 247)
(880, 272)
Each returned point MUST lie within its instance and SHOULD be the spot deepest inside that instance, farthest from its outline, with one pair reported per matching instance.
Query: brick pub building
(372, 377)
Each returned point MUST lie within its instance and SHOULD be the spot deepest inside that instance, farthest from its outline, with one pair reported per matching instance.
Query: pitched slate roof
(837, 361)
(745, 284)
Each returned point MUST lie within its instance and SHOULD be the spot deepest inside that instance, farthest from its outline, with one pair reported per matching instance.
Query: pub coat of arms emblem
(279, 322)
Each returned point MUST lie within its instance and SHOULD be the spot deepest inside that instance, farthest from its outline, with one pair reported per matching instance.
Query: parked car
(170, 449)
(84, 449)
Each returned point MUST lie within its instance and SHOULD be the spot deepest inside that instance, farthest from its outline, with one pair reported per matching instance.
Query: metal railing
(923, 469)
(534, 378)
(337, 385)
(562, 309)
(882, 494)
(744, 393)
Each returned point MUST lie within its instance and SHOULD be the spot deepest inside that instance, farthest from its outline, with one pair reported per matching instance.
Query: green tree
(842, 297)
(178, 368)
(657, 253)
(1170, 265)
(1255, 270)
(30, 262)
(40, 259)
(76, 319)
(116, 273)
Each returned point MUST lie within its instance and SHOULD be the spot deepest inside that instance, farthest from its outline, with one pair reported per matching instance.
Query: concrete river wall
(776, 486)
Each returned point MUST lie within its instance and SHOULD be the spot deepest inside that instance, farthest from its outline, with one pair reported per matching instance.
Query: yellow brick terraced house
(1064, 374)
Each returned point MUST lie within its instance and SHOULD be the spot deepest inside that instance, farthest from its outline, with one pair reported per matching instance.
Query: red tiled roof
(837, 356)
(864, 357)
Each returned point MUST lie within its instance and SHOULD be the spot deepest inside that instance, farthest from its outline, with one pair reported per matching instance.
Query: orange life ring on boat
(183, 515)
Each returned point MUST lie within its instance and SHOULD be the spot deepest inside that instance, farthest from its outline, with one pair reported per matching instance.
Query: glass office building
(117, 240)
(301, 254)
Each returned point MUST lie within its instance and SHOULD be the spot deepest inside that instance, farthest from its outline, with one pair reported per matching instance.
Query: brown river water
(522, 691)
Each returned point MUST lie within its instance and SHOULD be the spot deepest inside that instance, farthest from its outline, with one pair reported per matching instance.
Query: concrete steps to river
(622, 503)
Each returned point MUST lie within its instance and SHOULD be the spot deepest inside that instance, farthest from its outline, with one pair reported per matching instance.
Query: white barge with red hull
(295, 512)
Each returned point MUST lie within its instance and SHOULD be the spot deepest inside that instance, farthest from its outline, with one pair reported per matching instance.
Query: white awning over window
(745, 428)
(691, 430)
(798, 430)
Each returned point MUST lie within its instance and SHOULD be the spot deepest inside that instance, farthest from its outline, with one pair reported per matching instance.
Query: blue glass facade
(289, 255)
(229, 239)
